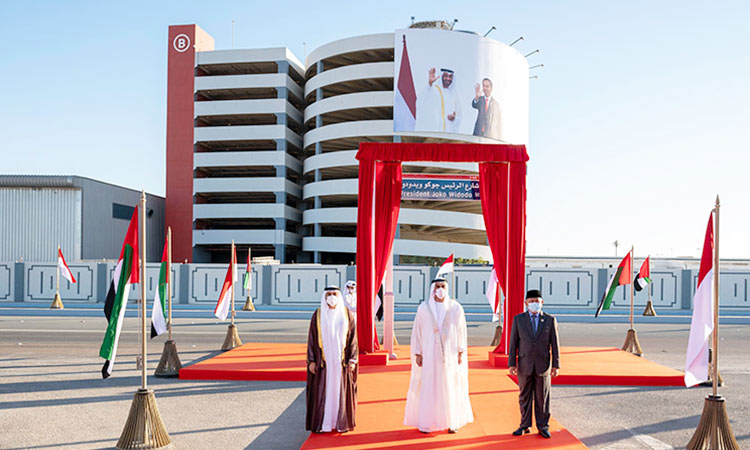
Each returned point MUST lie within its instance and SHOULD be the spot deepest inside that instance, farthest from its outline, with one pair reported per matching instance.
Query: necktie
(534, 321)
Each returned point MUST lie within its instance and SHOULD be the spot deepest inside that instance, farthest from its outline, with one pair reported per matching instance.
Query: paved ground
(52, 395)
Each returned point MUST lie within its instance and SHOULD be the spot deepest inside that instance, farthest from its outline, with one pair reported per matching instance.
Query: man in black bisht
(534, 356)
(332, 366)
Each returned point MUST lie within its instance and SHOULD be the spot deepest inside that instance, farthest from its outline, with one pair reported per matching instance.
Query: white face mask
(440, 292)
(534, 307)
(332, 300)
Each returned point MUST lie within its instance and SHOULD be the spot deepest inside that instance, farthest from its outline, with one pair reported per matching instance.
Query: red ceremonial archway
(502, 187)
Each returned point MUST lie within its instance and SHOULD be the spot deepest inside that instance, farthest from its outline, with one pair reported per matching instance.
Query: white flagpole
(143, 289)
(58, 271)
(632, 282)
(169, 278)
(234, 269)
(715, 337)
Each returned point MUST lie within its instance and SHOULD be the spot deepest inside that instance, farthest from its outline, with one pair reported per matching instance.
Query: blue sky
(638, 119)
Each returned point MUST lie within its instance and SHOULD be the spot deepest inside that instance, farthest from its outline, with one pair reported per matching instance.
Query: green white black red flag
(126, 273)
(159, 311)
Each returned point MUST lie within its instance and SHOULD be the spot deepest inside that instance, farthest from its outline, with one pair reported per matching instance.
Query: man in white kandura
(350, 297)
(438, 396)
(438, 106)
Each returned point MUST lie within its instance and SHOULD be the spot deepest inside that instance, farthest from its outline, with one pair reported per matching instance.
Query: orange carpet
(254, 361)
(494, 399)
(382, 394)
(597, 366)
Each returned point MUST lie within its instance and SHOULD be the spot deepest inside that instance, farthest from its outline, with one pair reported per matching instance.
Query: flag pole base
(248, 304)
(144, 428)
(232, 340)
(714, 430)
(631, 343)
(649, 311)
(169, 364)
(498, 335)
(57, 302)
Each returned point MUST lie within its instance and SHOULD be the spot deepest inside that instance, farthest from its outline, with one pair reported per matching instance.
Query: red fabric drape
(493, 193)
(381, 229)
(516, 250)
(387, 206)
(365, 256)
(503, 195)
(382, 151)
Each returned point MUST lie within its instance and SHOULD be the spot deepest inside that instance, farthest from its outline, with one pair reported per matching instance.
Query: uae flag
(446, 268)
(159, 310)
(63, 266)
(622, 276)
(248, 283)
(644, 275)
(702, 324)
(405, 101)
(225, 298)
(126, 273)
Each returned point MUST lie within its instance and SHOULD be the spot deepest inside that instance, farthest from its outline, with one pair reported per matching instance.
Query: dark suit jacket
(487, 123)
(535, 354)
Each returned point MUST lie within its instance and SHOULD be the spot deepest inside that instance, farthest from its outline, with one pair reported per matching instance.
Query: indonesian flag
(622, 276)
(248, 284)
(446, 268)
(126, 272)
(644, 275)
(493, 296)
(159, 311)
(63, 266)
(225, 298)
(702, 324)
(405, 101)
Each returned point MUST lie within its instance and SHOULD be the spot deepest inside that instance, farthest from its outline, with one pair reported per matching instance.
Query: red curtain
(387, 207)
(493, 193)
(383, 151)
(516, 250)
(365, 256)
(503, 195)
(372, 261)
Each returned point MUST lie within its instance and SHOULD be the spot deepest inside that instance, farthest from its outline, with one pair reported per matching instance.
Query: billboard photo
(459, 83)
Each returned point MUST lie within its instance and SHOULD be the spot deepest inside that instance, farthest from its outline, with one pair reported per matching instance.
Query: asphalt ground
(52, 395)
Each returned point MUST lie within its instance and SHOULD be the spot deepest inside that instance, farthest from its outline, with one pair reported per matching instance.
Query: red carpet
(382, 394)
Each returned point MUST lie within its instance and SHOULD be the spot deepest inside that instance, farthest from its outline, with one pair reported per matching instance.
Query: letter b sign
(181, 42)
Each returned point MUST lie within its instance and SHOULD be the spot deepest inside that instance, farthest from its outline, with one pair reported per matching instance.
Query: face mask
(440, 292)
(535, 307)
(332, 300)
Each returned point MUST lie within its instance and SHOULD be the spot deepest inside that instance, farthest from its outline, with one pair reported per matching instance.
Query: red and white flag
(225, 298)
(405, 96)
(63, 266)
(702, 325)
(446, 268)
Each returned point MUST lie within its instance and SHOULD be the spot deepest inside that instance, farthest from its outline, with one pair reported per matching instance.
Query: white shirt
(440, 310)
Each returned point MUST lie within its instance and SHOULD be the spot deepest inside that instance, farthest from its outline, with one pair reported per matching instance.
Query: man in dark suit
(534, 355)
(488, 118)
